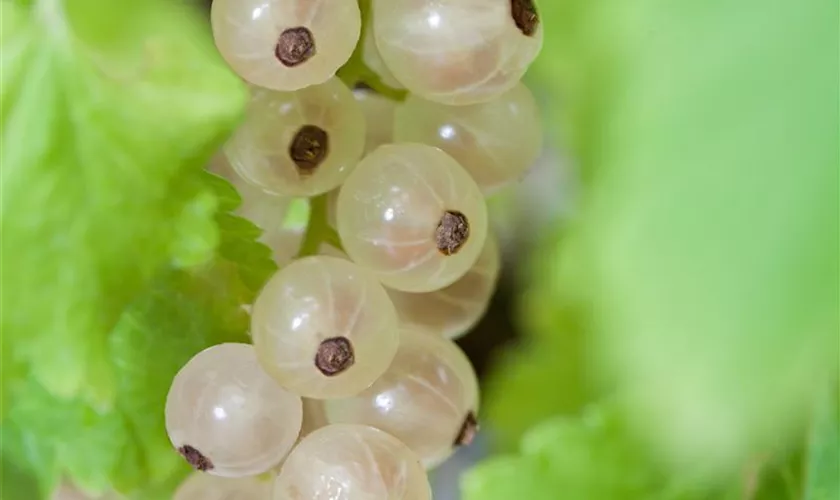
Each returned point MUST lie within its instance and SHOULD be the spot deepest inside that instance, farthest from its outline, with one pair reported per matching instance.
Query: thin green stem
(318, 229)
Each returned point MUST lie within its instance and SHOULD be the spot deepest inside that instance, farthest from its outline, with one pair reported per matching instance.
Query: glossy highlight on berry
(300, 143)
(285, 45)
(457, 51)
(428, 398)
(496, 142)
(351, 462)
(450, 312)
(323, 327)
(411, 214)
(227, 417)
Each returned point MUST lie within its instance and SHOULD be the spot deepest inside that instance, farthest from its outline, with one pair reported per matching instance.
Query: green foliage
(706, 250)
(546, 374)
(108, 111)
(591, 457)
(126, 448)
(823, 474)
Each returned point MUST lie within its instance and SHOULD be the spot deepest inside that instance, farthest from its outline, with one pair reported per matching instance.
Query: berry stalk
(318, 229)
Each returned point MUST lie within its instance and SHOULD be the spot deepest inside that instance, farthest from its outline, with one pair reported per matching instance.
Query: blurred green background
(667, 327)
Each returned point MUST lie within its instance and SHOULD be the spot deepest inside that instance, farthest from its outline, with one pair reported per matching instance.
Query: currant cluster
(352, 387)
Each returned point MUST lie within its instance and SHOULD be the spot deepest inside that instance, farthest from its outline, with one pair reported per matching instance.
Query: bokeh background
(666, 324)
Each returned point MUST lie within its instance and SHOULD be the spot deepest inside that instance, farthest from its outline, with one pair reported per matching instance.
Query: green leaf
(707, 245)
(239, 243)
(126, 448)
(546, 373)
(108, 111)
(589, 457)
(823, 453)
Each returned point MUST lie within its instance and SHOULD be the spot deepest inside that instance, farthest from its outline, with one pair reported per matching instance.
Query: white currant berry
(496, 141)
(285, 44)
(373, 60)
(428, 398)
(351, 462)
(301, 143)
(227, 417)
(323, 327)
(457, 51)
(207, 487)
(379, 117)
(412, 215)
(452, 311)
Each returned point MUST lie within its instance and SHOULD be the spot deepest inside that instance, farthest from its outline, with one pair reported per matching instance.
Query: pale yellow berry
(227, 417)
(452, 311)
(457, 51)
(373, 60)
(351, 462)
(206, 487)
(323, 327)
(428, 398)
(496, 141)
(299, 143)
(285, 44)
(412, 215)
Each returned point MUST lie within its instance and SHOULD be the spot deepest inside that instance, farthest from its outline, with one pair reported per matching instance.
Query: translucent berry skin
(391, 206)
(373, 60)
(351, 462)
(284, 244)
(452, 311)
(206, 487)
(259, 150)
(424, 398)
(247, 34)
(379, 118)
(454, 51)
(313, 300)
(496, 142)
(222, 405)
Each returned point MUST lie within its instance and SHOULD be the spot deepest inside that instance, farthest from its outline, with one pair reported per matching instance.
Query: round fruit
(414, 216)
(379, 117)
(428, 398)
(452, 311)
(351, 462)
(227, 417)
(285, 44)
(324, 328)
(299, 143)
(496, 142)
(206, 487)
(373, 60)
(457, 51)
